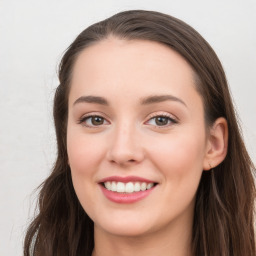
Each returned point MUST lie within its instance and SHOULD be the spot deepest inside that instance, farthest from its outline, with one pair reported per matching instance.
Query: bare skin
(134, 111)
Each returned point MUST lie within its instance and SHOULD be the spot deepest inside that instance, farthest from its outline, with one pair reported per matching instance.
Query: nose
(125, 147)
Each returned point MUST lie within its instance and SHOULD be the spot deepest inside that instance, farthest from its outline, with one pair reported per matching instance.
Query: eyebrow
(144, 101)
(92, 99)
(161, 98)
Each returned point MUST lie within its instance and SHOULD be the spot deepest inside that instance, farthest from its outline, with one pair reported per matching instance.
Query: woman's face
(136, 137)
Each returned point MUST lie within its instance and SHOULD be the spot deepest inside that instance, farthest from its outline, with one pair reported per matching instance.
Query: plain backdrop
(33, 37)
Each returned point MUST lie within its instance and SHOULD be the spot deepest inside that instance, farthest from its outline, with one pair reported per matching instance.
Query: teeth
(150, 185)
(108, 185)
(143, 186)
(129, 187)
(137, 187)
(120, 187)
(113, 186)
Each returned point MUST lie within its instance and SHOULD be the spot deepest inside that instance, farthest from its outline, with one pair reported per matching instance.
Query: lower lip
(125, 198)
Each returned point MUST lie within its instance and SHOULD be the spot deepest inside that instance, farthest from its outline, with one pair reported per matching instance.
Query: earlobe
(217, 144)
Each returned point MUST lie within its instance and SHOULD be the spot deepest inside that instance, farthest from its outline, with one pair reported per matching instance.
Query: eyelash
(84, 118)
(171, 120)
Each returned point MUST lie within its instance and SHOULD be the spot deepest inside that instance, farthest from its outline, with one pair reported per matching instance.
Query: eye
(161, 121)
(93, 120)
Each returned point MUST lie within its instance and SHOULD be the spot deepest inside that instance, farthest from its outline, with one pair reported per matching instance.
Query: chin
(129, 226)
(127, 230)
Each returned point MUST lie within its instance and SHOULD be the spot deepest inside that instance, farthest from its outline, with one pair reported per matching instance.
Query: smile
(126, 189)
(130, 187)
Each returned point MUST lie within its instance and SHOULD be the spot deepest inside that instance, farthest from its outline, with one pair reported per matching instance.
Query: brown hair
(224, 209)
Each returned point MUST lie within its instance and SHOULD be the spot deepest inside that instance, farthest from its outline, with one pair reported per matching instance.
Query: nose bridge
(125, 146)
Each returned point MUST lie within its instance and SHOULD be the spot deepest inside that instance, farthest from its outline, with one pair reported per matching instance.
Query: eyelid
(172, 118)
(90, 115)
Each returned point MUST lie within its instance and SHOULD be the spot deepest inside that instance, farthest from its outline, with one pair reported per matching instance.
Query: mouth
(127, 187)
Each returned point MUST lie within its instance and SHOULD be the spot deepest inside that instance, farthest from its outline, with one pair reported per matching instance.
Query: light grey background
(33, 36)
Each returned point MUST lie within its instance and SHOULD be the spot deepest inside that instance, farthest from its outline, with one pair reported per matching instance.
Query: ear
(217, 144)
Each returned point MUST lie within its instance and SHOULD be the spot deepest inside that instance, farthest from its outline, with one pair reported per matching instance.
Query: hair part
(224, 208)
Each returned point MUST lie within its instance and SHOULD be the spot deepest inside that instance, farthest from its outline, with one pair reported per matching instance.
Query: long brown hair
(224, 210)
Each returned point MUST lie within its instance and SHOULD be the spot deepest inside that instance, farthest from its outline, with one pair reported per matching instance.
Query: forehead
(117, 68)
(128, 55)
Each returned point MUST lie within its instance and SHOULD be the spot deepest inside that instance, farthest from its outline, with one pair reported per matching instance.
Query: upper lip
(126, 179)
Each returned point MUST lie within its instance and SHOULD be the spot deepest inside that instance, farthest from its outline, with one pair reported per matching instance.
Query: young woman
(150, 156)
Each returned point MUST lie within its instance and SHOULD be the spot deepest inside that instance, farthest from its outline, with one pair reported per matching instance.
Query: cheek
(180, 155)
(83, 153)
(180, 162)
(83, 158)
